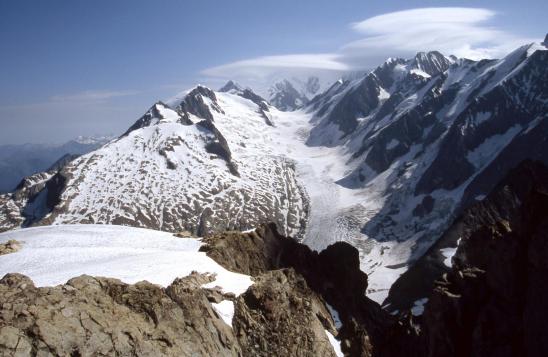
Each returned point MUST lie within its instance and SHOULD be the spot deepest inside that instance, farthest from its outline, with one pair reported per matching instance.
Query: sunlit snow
(51, 255)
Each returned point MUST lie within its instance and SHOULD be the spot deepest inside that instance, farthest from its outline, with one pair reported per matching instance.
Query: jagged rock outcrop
(333, 273)
(198, 102)
(279, 314)
(33, 198)
(219, 146)
(491, 299)
(285, 97)
(100, 316)
(158, 113)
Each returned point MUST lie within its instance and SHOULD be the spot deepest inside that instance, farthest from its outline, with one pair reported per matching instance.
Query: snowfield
(51, 255)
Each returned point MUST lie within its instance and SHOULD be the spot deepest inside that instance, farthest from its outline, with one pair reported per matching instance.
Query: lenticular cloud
(463, 32)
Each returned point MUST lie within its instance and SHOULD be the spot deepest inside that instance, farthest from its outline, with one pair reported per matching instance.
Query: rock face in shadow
(219, 146)
(419, 280)
(494, 302)
(196, 102)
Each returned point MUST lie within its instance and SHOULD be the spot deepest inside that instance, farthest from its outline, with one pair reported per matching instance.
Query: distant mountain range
(18, 161)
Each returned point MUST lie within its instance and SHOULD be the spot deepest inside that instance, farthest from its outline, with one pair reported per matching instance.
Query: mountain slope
(425, 138)
(175, 169)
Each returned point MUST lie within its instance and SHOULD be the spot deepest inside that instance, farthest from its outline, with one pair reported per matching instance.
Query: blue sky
(71, 68)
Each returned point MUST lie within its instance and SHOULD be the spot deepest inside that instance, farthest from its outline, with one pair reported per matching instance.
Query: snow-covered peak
(288, 94)
(231, 86)
(93, 140)
(159, 113)
(247, 93)
(205, 165)
(431, 63)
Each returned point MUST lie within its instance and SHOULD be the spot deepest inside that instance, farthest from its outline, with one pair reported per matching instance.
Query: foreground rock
(10, 246)
(280, 314)
(284, 311)
(494, 302)
(334, 274)
(99, 316)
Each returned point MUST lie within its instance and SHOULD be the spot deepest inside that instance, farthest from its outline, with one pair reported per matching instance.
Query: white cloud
(92, 96)
(267, 65)
(401, 20)
(463, 32)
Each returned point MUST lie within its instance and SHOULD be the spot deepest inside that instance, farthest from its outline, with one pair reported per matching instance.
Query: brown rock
(280, 315)
(10, 246)
(99, 316)
(333, 274)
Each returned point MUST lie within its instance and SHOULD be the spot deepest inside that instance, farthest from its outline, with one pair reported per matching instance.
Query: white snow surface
(448, 253)
(51, 255)
(162, 176)
(225, 309)
(488, 150)
(336, 344)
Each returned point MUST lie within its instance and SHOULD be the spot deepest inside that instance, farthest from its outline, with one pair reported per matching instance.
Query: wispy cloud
(257, 66)
(464, 32)
(93, 96)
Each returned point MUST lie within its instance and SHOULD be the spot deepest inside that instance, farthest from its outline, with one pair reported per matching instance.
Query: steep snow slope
(176, 170)
(54, 254)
